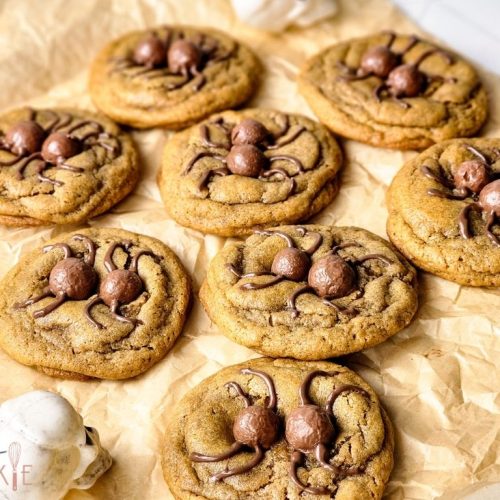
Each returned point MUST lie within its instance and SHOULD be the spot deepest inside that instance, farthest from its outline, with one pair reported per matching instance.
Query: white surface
(468, 27)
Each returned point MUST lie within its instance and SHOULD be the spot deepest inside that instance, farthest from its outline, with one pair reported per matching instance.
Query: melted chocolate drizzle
(308, 285)
(74, 278)
(484, 200)
(284, 136)
(255, 426)
(43, 154)
(174, 56)
(399, 79)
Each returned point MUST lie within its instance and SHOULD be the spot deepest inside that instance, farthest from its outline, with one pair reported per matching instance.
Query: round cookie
(103, 303)
(354, 440)
(247, 169)
(310, 292)
(439, 206)
(172, 76)
(394, 91)
(62, 166)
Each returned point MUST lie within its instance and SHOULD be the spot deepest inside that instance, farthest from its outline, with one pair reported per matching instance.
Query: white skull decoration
(45, 450)
(276, 15)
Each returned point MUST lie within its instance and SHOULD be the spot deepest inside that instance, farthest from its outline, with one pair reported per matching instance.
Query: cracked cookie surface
(141, 98)
(65, 342)
(452, 103)
(426, 228)
(233, 204)
(379, 300)
(86, 184)
(202, 421)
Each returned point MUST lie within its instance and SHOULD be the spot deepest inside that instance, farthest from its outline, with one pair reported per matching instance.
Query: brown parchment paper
(438, 378)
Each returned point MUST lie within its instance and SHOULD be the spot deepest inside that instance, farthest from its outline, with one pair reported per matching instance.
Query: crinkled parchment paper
(438, 378)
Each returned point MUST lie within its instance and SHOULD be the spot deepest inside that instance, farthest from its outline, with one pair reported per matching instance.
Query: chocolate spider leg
(248, 275)
(199, 457)
(458, 194)
(378, 90)
(477, 153)
(412, 41)
(55, 120)
(256, 459)
(293, 298)
(463, 219)
(489, 222)
(45, 293)
(340, 390)
(207, 141)
(24, 163)
(199, 78)
(40, 168)
(371, 256)
(306, 383)
(435, 177)
(179, 84)
(348, 311)
(222, 172)
(284, 126)
(289, 158)
(115, 312)
(88, 307)
(58, 301)
(269, 383)
(320, 454)
(63, 122)
(108, 258)
(91, 250)
(84, 123)
(260, 286)
(392, 37)
(283, 141)
(14, 160)
(240, 392)
(290, 243)
(429, 53)
(284, 175)
(295, 460)
(135, 259)
(341, 246)
(318, 239)
(65, 248)
(199, 156)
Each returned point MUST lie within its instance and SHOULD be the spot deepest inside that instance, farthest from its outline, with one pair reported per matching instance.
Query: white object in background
(276, 15)
(45, 450)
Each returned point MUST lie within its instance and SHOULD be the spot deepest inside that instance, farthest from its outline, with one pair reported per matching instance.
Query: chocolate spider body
(330, 277)
(120, 286)
(309, 429)
(70, 279)
(172, 55)
(244, 148)
(255, 426)
(51, 146)
(399, 79)
(472, 179)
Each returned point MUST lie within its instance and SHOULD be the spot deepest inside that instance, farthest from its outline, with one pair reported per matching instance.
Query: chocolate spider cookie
(60, 166)
(103, 303)
(252, 168)
(310, 292)
(444, 211)
(394, 91)
(172, 76)
(279, 429)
